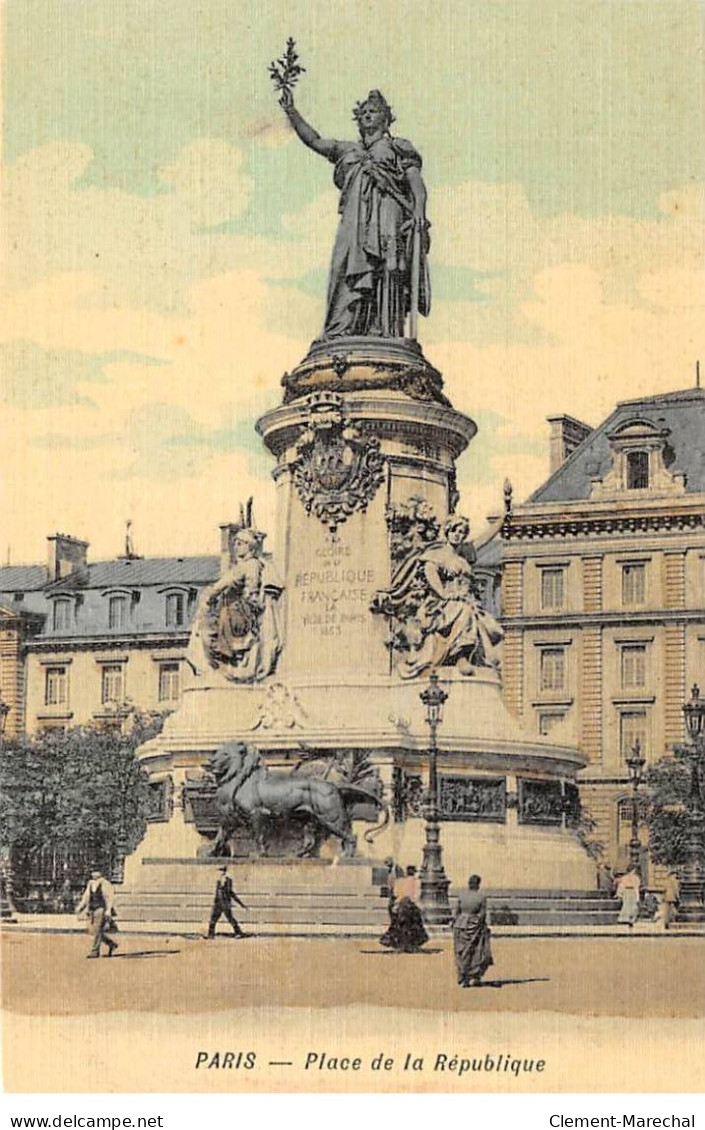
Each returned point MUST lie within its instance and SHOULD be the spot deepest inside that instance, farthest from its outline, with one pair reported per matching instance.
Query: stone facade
(604, 597)
(80, 640)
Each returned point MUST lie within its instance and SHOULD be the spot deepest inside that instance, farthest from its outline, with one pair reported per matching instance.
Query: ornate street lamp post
(7, 913)
(434, 882)
(692, 879)
(635, 763)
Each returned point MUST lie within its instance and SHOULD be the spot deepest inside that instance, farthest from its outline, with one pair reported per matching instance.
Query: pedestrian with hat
(97, 903)
(223, 898)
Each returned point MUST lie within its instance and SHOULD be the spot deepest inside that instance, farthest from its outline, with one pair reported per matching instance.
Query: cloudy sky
(166, 238)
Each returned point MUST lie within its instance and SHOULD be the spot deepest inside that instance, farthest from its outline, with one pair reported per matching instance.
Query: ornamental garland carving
(338, 468)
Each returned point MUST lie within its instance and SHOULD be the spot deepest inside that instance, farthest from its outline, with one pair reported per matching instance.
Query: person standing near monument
(669, 901)
(471, 935)
(97, 902)
(379, 270)
(223, 898)
(629, 891)
(406, 931)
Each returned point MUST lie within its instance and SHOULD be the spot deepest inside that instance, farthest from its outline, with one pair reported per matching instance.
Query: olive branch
(285, 72)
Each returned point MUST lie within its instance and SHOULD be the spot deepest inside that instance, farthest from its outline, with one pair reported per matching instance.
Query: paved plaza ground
(48, 974)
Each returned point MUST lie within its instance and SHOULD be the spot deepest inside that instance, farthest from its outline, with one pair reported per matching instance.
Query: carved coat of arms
(338, 468)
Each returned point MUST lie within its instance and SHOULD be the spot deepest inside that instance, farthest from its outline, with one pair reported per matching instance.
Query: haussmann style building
(603, 594)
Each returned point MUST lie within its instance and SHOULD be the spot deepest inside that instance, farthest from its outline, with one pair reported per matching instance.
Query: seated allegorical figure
(437, 618)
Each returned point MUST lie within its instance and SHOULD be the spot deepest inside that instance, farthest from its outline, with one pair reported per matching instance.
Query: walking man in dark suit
(222, 904)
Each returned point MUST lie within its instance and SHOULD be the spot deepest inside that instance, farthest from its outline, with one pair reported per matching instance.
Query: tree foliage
(77, 788)
(666, 807)
(584, 827)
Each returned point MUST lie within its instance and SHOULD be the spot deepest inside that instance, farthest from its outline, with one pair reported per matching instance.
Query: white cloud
(208, 177)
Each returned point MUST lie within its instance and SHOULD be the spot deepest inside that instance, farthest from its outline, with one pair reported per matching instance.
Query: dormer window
(641, 457)
(118, 608)
(637, 470)
(175, 609)
(61, 617)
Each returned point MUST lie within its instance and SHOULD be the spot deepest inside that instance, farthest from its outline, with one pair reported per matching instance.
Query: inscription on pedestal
(334, 593)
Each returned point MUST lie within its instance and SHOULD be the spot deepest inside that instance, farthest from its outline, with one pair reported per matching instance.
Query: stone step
(188, 909)
(177, 912)
(373, 895)
(562, 918)
(529, 905)
(347, 918)
(494, 893)
(178, 901)
(346, 900)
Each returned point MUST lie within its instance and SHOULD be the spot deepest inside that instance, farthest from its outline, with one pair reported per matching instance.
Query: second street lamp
(635, 763)
(692, 877)
(434, 882)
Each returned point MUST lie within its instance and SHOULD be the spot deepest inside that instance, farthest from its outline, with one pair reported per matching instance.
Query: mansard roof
(22, 578)
(141, 572)
(681, 414)
(26, 588)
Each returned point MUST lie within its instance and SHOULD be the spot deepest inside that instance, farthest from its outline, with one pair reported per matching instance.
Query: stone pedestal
(365, 428)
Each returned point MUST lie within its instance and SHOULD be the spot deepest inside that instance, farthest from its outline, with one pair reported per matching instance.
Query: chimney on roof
(65, 555)
(567, 433)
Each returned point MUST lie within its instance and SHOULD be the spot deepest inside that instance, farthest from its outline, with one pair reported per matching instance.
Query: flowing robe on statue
(370, 277)
(237, 625)
(449, 625)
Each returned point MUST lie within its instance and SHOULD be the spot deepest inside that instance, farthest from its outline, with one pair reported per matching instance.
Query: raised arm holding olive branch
(379, 270)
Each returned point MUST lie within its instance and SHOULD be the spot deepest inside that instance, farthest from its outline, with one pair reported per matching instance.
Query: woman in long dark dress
(471, 935)
(406, 931)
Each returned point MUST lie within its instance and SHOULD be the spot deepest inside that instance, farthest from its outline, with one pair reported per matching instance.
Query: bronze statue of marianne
(379, 270)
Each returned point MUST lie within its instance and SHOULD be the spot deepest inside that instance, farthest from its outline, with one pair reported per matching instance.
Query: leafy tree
(584, 827)
(79, 791)
(667, 804)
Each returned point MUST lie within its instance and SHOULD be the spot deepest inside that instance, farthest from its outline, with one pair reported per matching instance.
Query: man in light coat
(97, 903)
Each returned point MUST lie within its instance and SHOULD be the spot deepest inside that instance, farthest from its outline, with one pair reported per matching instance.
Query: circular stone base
(353, 364)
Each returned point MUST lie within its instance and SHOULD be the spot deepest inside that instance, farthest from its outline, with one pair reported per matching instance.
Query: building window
(633, 584)
(168, 682)
(112, 684)
(632, 726)
(553, 669)
(548, 721)
(552, 588)
(633, 666)
(175, 607)
(56, 686)
(117, 612)
(61, 619)
(637, 470)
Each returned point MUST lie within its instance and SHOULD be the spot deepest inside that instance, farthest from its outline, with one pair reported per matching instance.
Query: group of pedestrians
(97, 905)
(634, 903)
(406, 932)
